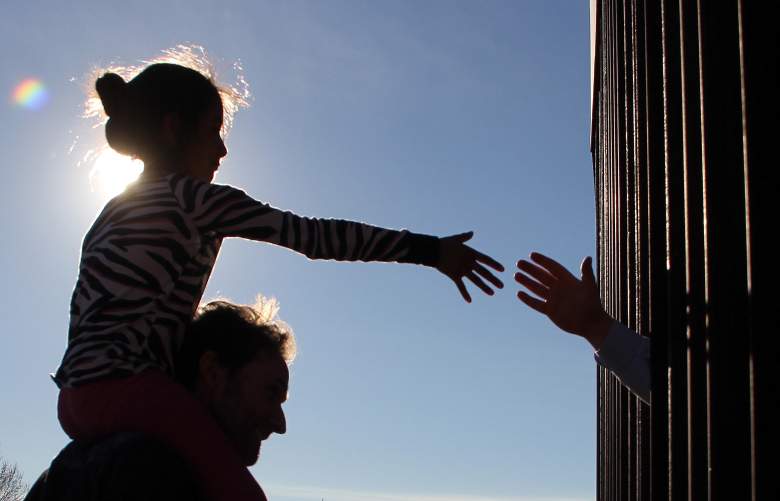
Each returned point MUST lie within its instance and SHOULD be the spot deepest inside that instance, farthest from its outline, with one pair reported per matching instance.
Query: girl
(146, 260)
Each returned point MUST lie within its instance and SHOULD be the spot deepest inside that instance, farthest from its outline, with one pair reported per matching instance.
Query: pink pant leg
(153, 404)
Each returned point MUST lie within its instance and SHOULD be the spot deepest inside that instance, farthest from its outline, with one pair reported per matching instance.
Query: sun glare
(112, 172)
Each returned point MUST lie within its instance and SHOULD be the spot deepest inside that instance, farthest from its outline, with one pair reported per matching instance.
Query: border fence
(683, 110)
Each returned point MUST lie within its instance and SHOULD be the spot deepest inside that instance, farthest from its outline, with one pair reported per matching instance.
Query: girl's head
(169, 116)
(170, 112)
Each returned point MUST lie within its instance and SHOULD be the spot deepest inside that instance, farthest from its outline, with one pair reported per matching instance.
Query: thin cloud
(328, 494)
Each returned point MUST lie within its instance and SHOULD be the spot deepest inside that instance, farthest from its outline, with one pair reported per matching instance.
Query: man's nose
(279, 422)
(222, 148)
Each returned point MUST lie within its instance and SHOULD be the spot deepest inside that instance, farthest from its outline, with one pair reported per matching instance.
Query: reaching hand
(457, 260)
(571, 304)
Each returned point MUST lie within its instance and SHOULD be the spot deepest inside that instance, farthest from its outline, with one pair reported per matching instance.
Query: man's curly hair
(237, 333)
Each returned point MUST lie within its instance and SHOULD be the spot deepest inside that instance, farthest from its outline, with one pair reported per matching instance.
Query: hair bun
(112, 90)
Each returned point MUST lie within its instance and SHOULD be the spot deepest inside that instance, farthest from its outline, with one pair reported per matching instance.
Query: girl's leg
(153, 404)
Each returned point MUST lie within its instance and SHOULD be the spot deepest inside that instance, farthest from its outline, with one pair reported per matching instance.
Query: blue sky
(439, 117)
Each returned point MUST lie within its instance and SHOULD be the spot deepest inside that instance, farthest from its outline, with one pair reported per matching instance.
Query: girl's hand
(457, 260)
(571, 304)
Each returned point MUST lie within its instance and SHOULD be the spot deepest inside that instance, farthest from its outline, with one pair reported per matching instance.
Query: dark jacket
(123, 467)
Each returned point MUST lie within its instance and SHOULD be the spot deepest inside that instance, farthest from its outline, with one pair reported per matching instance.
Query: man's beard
(244, 440)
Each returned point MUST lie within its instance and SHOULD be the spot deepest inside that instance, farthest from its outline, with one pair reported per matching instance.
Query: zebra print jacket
(147, 258)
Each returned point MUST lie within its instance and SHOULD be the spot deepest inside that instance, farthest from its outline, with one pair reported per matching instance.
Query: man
(574, 306)
(234, 361)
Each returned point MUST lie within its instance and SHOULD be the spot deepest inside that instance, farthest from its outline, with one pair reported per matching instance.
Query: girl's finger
(462, 289)
(485, 273)
(479, 283)
(484, 258)
(463, 237)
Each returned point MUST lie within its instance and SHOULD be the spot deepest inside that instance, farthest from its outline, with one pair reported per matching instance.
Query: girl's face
(203, 152)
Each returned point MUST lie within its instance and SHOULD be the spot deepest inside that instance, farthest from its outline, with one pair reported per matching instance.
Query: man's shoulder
(124, 467)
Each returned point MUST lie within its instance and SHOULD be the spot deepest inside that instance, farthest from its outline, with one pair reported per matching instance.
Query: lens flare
(31, 94)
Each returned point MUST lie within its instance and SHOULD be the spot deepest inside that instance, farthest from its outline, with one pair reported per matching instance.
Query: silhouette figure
(146, 261)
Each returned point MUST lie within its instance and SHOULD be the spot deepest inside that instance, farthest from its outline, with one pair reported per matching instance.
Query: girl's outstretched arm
(228, 212)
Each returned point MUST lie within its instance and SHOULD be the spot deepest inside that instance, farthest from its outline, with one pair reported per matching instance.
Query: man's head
(234, 360)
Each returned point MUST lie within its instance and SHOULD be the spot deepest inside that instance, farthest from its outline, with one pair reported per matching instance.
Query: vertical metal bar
(600, 433)
(675, 264)
(606, 472)
(748, 254)
(758, 72)
(614, 269)
(656, 243)
(621, 242)
(725, 293)
(597, 150)
(642, 305)
(628, 237)
(694, 259)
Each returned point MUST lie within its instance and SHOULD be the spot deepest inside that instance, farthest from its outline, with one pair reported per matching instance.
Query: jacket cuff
(423, 249)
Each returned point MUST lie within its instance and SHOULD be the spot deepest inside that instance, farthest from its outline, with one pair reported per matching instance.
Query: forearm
(336, 239)
(627, 355)
(353, 241)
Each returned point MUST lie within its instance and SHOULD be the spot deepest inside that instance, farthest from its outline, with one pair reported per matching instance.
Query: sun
(112, 172)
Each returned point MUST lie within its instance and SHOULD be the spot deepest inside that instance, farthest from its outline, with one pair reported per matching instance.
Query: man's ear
(211, 375)
(171, 129)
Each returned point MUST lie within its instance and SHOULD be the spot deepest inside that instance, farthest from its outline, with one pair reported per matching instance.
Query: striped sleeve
(229, 212)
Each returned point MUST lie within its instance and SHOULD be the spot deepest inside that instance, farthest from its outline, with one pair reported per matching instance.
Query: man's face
(249, 408)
